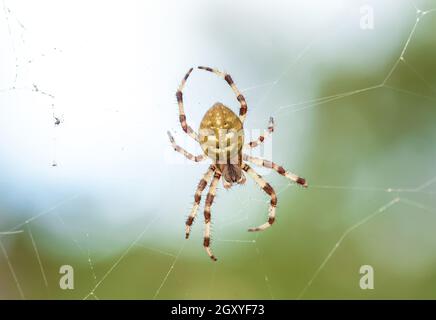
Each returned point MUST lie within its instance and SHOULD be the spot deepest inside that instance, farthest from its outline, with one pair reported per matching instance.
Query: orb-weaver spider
(221, 136)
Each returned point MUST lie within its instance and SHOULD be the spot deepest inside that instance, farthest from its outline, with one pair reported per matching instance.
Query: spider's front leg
(207, 215)
(279, 169)
(182, 116)
(239, 96)
(270, 191)
(197, 198)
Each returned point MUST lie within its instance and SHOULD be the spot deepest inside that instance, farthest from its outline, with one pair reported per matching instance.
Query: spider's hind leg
(182, 115)
(207, 215)
(270, 191)
(197, 198)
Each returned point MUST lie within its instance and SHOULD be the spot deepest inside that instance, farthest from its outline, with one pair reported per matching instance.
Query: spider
(221, 137)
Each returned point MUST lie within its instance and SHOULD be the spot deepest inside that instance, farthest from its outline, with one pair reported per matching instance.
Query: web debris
(11, 21)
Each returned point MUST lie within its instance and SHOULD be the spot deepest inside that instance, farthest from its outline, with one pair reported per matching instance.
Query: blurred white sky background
(113, 68)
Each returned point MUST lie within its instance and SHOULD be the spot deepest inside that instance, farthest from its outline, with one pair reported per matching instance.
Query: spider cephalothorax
(221, 136)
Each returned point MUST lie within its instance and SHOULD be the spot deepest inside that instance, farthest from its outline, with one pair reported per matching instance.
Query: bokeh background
(355, 113)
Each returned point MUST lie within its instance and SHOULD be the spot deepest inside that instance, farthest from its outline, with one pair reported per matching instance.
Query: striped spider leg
(266, 186)
(188, 155)
(279, 169)
(197, 198)
(207, 215)
(182, 116)
(239, 96)
(255, 143)
(269, 190)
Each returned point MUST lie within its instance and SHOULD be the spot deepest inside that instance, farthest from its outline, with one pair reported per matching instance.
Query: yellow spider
(221, 136)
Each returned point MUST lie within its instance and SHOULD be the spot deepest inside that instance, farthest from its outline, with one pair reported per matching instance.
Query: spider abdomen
(221, 134)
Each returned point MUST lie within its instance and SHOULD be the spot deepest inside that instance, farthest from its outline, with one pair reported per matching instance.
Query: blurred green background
(355, 114)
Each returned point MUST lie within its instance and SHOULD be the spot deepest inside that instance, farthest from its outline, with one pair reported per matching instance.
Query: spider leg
(269, 190)
(197, 198)
(207, 216)
(188, 155)
(239, 96)
(277, 168)
(182, 116)
(255, 143)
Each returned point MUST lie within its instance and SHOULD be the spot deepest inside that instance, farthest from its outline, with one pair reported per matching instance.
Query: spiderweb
(323, 233)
